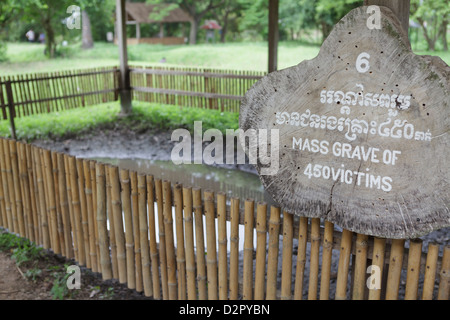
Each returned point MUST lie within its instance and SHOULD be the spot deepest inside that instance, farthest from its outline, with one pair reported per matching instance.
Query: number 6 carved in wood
(362, 62)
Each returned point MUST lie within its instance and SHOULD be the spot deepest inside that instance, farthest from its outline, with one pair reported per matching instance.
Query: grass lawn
(25, 58)
(145, 116)
(29, 58)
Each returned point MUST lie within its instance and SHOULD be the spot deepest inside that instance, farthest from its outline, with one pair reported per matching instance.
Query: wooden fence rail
(25, 95)
(192, 87)
(159, 237)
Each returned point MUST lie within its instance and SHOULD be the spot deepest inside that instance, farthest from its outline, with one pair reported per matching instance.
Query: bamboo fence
(192, 87)
(30, 94)
(151, 235)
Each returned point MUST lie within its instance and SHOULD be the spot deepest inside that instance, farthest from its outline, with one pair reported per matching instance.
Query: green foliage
(166, 117)
(433, 17)
(145, 116)
(3, 55)
(63, 123)
(59, 289)
(23, 252)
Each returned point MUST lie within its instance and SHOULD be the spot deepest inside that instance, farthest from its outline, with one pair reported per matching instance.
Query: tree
(9, 10)
(255, 16)
(227, 14)
(197, 9)
(50, 14)
(433, 17)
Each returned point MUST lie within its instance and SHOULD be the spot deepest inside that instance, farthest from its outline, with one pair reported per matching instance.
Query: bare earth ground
(15, 286)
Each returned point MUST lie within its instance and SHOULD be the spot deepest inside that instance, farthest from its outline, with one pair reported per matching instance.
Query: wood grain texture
(397, 104)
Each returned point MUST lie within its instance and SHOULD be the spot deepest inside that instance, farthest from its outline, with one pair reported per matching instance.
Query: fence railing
(151, 235)
(30, 94)
(192, 87)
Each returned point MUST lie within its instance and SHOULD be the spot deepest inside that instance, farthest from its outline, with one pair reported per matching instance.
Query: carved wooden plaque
(363, 131)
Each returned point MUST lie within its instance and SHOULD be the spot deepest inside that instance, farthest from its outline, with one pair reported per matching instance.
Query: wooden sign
(363, 131)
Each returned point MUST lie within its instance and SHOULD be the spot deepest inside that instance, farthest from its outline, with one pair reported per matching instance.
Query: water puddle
(235, 183)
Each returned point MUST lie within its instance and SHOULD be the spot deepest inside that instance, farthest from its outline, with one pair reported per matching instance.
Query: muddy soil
(17, 284)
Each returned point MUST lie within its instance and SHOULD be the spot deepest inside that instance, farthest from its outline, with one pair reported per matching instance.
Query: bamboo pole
(33, 192)
(444, 283)
(248, 250)
(91, 214)
(359, 283)
(84, 215)
(344, 261)
(152, 235)
(234, 249)
(301, 258)
(395, 269)
(430, 271)
(170, 250)
(181, 256)
(45, 234)
(286, 264)
(327, 253)
(70, 205)
(94, 206)
(412, 276)
(76, 210)
(51, 204)
(60, 227)
(314, 259)
(189, 236)
(222, 240)
(10, 186)
(103, 240)
(129, 244)
(64, 205)
(3, 218)
(118, 223)
(143, 236)
(162, 239)
(200, 244)
(28, 218)
(261, 237)
(47, 201)
(112, 233)
(378, 254)
(272, 258)
(211, 253)
(17, 192)
(137, 243)
(6, 189)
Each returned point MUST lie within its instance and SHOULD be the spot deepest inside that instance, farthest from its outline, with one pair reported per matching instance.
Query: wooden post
(430, 271)
(138, 31)
(234, 248)
(272, 258)
(248, 250)
(273, 35)
(105, 259)
(286, 263)
(261, 236)
(301, 257)
(124, 80)
(12, 112)
(400, 8)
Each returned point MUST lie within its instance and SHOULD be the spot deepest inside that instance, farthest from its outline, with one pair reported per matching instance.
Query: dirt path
(13, 286)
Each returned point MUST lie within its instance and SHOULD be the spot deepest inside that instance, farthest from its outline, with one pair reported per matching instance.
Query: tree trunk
(444, 35)
(49, 39)
(86, 34)
(194, 30)
(224, 31)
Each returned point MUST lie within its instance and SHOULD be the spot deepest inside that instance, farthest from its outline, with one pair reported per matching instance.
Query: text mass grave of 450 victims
(363, 131)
